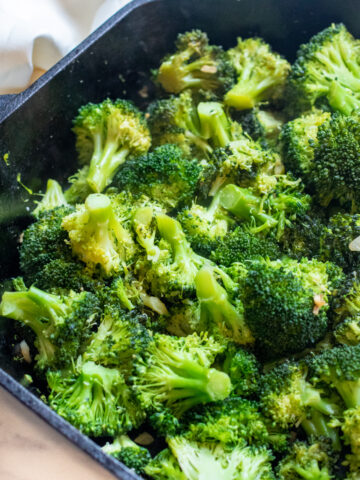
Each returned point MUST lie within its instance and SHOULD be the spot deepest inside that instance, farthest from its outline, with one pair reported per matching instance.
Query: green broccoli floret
(221, 314)
(216, 460)
(164, 175)
(262, 125)
(195, 65)
(176, 121)
(309, 462)
(348, 331)
(106, 134)
(350, 426)
(261, 74)
(97, 236)
(95, 399)
(298, 139)
(79, 188)
(290, 400)
(285, 304)
(243, 370)
(242, 246)
(128, 452)
(184, 318)
(165, 467)
(52, 198)
(350, 302)
(61, 324)
(176, 372)
(328, 69)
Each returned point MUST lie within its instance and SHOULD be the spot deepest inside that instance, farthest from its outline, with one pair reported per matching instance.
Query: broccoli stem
(247, 92)
(214, 123)
(349, 391)
(317, 425)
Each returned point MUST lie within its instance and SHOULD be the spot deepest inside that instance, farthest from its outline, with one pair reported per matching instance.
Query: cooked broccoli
(290, 400)
(61, 324)
(79, 188)
(350, 426)
(96, 235)
(195, 65)
(285, 304)
(261, 74)
(262, 125)
(52, 198)
(348, 331)
(95, 399)
(106, 134)
(164, 175)
(218, 311)
(243, 369)
(307, 462)
(177, 372)
(128, 452)
(327, 69)
(164, 467)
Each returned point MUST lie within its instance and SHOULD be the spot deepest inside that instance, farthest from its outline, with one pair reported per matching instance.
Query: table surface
(31, 449)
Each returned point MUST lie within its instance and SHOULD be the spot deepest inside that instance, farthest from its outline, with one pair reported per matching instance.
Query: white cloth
(37, 33)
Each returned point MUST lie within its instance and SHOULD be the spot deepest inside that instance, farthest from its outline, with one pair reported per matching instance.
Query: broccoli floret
(285, 304)
(298, 139)
(289, 399)
(95, 399)
(79, 188)
(307, 462)
(165, 467)
(176, 121)
(218, 312)
(164, 175)
(61, 324)
(243, 370)
(340, 368)
(242, 246)
(177, 372)
(328, 68)
(97, 236)
(106, 134)
(52, 198)
(262, 125)
(184, 318)
(348, 331)
(227, 462)
(128, 452)
(261, 74)
(195, 65)
(350, 426)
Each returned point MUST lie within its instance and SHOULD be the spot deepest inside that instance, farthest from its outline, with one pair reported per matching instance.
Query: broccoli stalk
(176, 372)
(52, 198)
(261, 74)
(128, 452)
(60, 324)
(106, 134)
(145, 235)
(96, 235)
(215, 124)
(216, 309)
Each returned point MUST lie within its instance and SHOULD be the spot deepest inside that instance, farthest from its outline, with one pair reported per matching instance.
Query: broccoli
(218, 312)
(95, 399)
(128, 452)
(106, 134)
(289, 400)
(96, 235)
(242, 246)
(348, 331)
(350, 426)
(262, 125)
(164, 175)
(164, 467)
(52, 198)
(261, 74)
(217, 460)
(79, 188)
(61, 324)
(177, 372)
(298, 139)
(175, 120)
(327, 71)
(285, 304)
(195, 65)
(307, 462)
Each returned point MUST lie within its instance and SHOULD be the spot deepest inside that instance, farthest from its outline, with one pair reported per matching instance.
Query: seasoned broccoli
(61, 324)
(164, 175)
(165, 467)
(52, 198)
(348, 331)
(96, 235)
(195, 65)
(106, 134)
(262, 125)
(307, 462)
(177, 372)
(243, 369)
(327, 69)
(128, 452)
(79, 188)
(285, 304)
(261, 74)
(289, 399)
(95, 399)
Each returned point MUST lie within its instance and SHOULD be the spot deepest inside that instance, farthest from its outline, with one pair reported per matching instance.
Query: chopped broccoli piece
(128, 452)
(243, 370)
(348, 331)
(165, 467)
(106, 134)
(52, 198)
(262, 125)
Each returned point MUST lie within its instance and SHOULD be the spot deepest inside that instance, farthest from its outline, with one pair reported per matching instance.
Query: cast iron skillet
(115, 61)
